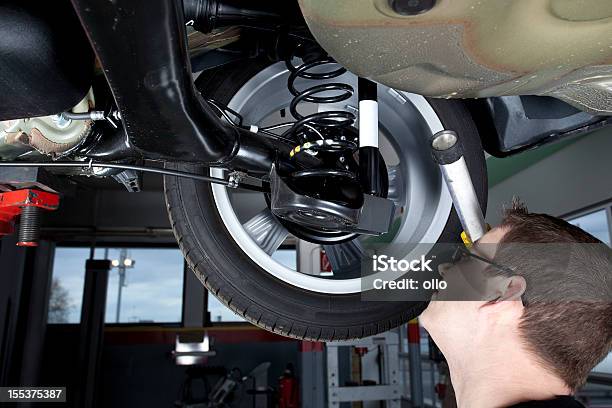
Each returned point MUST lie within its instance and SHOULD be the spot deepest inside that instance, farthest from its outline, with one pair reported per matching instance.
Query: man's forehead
(486, 245)
(493, 236)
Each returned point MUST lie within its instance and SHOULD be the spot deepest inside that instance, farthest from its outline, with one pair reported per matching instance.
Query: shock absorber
(332, 132)
(369, 156)
(336, 200)
(447, 151)
(328, 134)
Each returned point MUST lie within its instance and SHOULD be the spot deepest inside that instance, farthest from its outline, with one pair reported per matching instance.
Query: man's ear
(515, 287)
(506, 288)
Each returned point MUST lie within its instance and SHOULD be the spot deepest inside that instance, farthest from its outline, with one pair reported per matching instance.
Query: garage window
(152, 290)
(151, 285)
(67, 285)
(596, 223)
(145, 286)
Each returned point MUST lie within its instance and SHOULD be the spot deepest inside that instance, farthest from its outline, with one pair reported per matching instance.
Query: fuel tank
(46, 63)
(474, 48)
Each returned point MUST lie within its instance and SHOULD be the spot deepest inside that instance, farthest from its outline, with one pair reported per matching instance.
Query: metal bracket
(131, 180)
(235, 178)
(374, 217)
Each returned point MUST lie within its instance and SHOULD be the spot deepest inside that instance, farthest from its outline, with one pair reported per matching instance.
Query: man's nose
(444, 268)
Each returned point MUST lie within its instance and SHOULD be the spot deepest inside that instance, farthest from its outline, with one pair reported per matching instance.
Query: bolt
(351, 108)
(97, 115)
(235, 178)
(60, 121)
(29, 227)
(411, 7)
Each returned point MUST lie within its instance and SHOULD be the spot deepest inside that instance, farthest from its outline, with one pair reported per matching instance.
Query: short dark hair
(568, 335)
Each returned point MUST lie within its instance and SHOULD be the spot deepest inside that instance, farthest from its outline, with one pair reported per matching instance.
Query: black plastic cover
(513, 124)
(46, 62)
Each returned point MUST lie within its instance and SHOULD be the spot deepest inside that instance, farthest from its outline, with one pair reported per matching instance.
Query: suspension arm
(142, 48)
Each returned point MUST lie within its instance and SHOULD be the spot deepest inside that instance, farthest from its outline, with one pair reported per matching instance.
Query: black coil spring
(319, 124)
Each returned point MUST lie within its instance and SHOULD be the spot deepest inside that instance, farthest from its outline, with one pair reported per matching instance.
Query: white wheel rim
(248, 102)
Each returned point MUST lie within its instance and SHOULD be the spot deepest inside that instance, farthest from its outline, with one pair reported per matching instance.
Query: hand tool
(447, 151)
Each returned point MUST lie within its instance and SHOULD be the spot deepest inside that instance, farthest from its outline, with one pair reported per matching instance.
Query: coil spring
(323, 125)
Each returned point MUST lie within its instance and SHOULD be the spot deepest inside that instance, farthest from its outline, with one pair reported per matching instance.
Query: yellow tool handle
(466, 239)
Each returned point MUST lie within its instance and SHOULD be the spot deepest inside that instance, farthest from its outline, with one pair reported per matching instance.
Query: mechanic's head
(548, 293)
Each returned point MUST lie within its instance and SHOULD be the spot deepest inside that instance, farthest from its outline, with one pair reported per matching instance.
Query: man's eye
(460, 256)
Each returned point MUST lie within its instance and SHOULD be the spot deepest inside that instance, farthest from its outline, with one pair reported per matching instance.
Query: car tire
(254, 294)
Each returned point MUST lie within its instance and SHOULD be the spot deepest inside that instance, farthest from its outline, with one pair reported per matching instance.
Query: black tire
(256, 295)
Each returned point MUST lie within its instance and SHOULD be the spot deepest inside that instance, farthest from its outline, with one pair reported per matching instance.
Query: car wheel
(229, 237)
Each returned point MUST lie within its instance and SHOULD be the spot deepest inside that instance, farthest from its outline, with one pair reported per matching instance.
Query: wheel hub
(415, 184)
